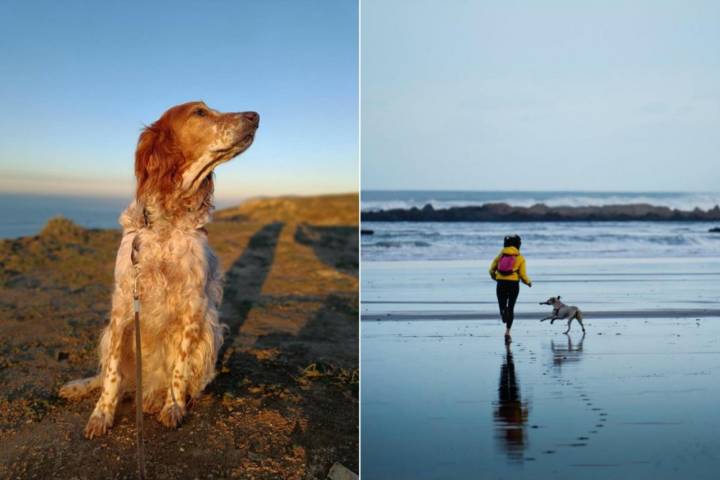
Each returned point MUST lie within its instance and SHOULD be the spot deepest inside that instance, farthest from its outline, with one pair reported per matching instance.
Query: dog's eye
(200, 112)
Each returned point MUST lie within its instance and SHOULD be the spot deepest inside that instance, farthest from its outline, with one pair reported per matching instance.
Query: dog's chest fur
(178, 270)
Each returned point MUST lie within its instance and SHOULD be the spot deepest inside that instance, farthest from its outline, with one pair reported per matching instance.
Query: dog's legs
(174, 408)
(580, 322)
(569, 322)
(102, 417)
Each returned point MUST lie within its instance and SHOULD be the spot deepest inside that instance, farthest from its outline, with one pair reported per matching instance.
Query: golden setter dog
(179, 282)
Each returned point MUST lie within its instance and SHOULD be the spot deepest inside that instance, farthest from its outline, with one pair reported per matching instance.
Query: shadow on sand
(333, 245)
(245, 278)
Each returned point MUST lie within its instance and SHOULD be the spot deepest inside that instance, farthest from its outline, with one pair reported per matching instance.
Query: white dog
(562, 311)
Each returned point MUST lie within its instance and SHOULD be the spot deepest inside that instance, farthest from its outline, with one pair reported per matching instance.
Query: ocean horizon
(399, 241)
(26, 214)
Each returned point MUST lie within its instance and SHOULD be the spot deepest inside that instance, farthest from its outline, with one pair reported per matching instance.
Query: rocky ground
(285, 401)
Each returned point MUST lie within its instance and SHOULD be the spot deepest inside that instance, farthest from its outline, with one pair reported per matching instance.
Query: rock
(340, 472)
(367, 232)
(714, 230)
(502, 212)
(62, 229)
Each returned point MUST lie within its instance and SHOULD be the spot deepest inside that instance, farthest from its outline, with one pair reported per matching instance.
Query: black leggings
(507, 293)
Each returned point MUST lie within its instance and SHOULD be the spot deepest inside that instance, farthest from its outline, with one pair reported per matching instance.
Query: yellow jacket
(519, 272)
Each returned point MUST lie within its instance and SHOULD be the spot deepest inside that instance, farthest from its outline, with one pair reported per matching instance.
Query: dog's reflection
(511, 413)
(571, 353)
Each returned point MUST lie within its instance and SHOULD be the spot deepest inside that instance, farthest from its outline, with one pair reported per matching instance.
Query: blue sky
(551, 95)
(79, 79)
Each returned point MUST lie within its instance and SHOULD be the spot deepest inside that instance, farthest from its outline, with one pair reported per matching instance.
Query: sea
(26, 214)
(397, 241)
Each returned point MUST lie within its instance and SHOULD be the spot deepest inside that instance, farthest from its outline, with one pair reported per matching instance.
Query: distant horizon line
(95, 195)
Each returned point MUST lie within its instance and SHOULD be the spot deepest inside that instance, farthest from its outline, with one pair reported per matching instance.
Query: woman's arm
(493, 267)
(523, 273)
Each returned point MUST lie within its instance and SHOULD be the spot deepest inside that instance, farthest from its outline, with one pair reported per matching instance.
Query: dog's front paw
(98, 425)
(171, 415)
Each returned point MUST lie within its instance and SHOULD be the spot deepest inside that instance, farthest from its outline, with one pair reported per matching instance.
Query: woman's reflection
(511, 412)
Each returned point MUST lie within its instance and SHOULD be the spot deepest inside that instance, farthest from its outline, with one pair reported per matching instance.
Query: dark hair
(512, 241)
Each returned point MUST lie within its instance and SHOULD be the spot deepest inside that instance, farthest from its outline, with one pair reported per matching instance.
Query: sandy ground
(285, 401)
(635, 397)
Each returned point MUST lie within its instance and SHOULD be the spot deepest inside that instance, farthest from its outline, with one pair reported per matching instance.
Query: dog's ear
(157, 161)
(558, 297)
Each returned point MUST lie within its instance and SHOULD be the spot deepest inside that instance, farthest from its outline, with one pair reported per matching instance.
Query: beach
(635, 396)
(630, 399)
(285, 401)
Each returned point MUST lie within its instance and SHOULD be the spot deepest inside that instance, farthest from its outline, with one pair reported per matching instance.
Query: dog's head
(552, 301)
(177, 154)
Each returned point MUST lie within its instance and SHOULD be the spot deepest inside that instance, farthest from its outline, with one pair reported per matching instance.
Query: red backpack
(506, 265)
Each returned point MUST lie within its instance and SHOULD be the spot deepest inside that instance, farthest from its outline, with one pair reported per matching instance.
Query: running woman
(508, 269)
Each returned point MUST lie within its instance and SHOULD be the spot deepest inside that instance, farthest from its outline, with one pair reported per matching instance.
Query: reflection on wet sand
(511, 413)
(569, 354)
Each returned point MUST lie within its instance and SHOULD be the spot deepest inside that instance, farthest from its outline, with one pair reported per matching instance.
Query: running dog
(562, 311)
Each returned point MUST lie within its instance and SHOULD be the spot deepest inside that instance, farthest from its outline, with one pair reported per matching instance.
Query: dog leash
(139, 430)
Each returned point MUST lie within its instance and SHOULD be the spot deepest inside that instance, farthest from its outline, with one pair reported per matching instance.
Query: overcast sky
(559, 95)
(79, 79)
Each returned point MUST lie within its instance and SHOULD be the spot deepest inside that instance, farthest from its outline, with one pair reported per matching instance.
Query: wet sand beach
(635, 397)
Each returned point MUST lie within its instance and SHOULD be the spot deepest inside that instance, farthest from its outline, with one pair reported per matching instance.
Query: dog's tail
(80, 388)
(578, 315)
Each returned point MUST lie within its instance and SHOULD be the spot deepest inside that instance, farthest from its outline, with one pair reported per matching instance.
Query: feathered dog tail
(578, 315)
(80, 388)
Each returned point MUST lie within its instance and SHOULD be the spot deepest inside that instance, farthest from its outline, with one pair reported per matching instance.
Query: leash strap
(139, 430)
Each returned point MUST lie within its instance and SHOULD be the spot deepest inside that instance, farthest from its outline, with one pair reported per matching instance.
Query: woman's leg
(502, 296)
(504, 290)
(513, 292)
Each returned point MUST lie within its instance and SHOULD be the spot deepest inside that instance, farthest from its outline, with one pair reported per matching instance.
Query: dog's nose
(252, 117)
